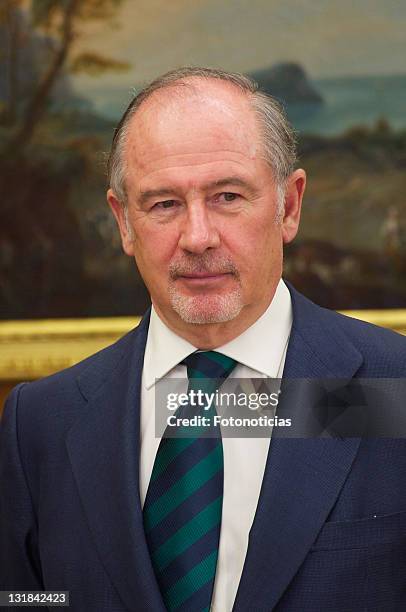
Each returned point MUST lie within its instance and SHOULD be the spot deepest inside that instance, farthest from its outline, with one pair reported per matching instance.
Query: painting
(68, 70)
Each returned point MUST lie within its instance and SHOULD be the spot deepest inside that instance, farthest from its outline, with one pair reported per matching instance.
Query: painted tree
(63, 22)
(10, 23)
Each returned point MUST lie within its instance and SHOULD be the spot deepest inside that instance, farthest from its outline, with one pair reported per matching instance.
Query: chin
(205, 310)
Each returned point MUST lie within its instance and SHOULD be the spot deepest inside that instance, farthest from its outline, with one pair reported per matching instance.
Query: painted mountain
(289, 83)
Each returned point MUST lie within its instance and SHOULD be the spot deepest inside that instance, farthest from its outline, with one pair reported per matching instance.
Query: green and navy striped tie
(182, 510)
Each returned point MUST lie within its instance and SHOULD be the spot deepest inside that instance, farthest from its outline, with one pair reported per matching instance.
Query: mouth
(204, 278)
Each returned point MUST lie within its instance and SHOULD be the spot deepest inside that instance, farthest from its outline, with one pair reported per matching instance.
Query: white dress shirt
(260, 352)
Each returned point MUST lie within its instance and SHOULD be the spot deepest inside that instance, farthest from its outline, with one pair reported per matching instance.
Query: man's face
(202, 206)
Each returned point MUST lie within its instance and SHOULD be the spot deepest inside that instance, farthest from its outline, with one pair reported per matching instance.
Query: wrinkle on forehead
(199, 176)
(190, 120)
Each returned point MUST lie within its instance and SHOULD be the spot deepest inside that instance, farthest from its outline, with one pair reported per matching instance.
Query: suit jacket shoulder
(383, 351)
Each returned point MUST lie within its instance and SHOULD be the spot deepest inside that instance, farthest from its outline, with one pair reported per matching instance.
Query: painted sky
(329, 37)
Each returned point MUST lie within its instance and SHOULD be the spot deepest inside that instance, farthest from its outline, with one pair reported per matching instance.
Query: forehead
(199, 122)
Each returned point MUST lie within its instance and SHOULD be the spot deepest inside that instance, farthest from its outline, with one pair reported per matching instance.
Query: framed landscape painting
(69, 70)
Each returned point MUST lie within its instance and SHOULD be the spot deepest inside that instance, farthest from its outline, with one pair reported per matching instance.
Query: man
(205, 194)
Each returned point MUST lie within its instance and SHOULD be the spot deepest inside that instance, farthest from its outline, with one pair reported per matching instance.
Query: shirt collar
(164, 350)
(260, 347)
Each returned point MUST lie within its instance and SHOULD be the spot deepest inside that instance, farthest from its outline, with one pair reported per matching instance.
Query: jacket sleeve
(19, 555)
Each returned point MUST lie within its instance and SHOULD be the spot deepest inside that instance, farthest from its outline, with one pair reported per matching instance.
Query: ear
(295, 186)
(118, 211)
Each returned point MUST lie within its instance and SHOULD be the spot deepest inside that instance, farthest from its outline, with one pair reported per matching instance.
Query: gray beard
(203, 310)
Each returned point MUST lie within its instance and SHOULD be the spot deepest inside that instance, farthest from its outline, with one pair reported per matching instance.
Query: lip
(200, 275)
(203, 278)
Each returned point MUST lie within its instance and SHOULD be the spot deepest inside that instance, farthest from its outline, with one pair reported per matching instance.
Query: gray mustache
(202, 266)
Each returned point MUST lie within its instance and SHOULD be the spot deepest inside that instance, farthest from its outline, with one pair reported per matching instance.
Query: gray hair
(279, 143)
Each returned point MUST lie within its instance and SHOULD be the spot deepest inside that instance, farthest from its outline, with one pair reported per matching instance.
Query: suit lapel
(303, 477)
(103, 448)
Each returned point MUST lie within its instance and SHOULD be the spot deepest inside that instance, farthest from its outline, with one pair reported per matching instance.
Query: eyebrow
(154, 193)
(234, 181)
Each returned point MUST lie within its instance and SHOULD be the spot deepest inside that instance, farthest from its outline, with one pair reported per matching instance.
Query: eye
(165, 204)
(228, 196)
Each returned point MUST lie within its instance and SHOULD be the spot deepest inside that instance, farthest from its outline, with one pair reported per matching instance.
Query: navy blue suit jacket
(330, 528)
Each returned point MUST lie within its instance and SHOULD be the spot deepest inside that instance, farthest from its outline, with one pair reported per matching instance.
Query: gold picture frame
(32, 349)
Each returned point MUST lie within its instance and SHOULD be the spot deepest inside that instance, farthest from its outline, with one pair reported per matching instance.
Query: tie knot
(208, 364)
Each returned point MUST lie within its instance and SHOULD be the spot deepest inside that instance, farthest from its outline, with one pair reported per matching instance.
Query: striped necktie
(183, 505)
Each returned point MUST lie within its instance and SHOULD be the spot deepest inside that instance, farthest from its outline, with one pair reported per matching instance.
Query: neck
(212, 335)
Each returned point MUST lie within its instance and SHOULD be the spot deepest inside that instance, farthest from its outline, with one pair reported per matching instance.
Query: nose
(198, 232)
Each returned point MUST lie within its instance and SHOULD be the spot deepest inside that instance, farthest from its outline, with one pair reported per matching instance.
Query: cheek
(154, 248)
(256, 246)
(257, 252)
